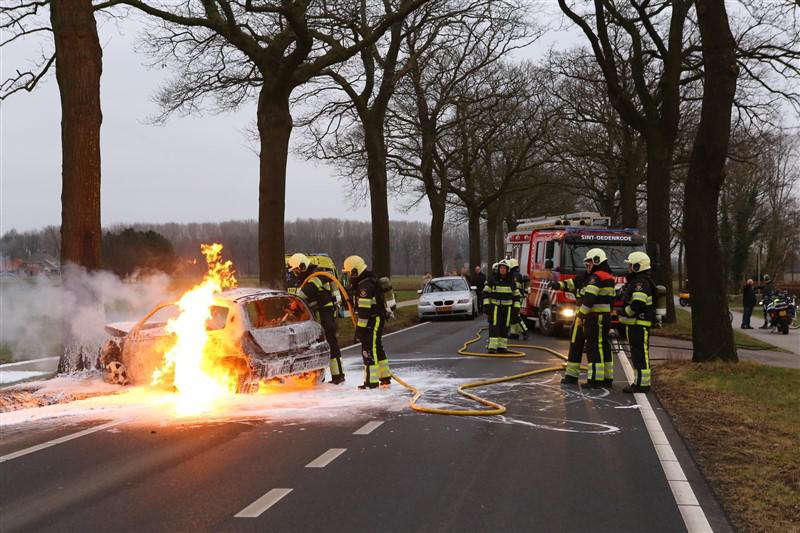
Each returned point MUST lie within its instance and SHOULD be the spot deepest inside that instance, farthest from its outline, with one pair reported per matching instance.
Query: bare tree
(424, 111)
(237, 51)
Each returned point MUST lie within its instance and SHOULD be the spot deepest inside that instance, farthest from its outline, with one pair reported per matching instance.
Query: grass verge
(742, 423)
(682, 329)
(403, 318)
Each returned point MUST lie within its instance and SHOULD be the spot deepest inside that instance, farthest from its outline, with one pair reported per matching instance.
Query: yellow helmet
(354, 263)
(299, 262)
(639, 260)
(512, 263)
(595, 256)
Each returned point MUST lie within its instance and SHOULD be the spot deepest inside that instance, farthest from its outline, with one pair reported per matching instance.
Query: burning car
(247, 336)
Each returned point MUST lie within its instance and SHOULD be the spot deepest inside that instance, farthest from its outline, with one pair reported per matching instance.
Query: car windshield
(446, 285)
(616, 256)
(276, 311)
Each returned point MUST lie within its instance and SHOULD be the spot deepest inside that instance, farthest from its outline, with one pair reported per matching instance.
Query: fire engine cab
(552, 249)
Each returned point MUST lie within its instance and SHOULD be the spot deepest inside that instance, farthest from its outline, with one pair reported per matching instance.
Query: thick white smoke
(34, 311)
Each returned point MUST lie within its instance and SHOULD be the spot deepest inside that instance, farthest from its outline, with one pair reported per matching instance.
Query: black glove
(553, 285)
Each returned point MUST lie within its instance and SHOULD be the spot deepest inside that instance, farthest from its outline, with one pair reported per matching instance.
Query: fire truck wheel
(546, 324)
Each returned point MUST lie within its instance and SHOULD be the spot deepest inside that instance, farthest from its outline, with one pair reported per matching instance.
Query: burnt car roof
(244, 294)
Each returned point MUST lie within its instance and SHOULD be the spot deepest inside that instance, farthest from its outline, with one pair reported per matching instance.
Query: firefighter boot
(567, 379)
(633, 387)
(367, 386)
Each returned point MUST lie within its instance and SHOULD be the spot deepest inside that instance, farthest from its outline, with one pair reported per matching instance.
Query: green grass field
(742, 424)
(682, 329)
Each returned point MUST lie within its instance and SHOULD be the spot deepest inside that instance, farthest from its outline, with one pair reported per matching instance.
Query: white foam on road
(28, 362)
(693, 515)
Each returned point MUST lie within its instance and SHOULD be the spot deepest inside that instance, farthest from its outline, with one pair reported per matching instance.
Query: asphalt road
(561, 459)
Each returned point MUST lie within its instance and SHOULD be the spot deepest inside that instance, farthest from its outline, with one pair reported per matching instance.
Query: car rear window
(276, 311)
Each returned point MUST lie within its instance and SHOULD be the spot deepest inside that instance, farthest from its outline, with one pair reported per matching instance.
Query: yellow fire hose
(494, 408)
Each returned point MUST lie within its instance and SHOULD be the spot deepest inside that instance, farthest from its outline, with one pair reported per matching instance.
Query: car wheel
(421, 318)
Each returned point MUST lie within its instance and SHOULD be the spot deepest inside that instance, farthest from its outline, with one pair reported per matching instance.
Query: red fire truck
(552, 249)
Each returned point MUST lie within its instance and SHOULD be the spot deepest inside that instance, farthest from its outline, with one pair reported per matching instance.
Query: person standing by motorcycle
(638, 317)
(748, 303)
(767, 291)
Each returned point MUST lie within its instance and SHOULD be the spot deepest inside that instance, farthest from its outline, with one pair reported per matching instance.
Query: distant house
(39, 264)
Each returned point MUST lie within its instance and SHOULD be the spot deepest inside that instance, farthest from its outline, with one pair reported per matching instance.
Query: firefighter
(577, 341)
(595, 313)
(318, 294)
(638, 316)
(501, 303)
(371, 312)
(518, 326)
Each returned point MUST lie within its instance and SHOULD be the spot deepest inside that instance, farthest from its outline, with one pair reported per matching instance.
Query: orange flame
(198, 378)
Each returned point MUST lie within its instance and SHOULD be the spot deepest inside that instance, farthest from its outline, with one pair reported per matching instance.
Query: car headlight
(464, 301)
(567, 312)
(423, 303)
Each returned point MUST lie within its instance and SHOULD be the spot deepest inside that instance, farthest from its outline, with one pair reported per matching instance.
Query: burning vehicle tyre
(252, 336)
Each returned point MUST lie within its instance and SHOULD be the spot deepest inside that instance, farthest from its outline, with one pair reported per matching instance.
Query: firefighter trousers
(577, 340)
(499, 325)
(598, 348)
(376, 364)
(327, 319)
(639, 341)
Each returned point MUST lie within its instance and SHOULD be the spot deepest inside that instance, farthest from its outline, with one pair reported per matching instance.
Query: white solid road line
(368, 428)
(326, 458)
(390, 334)
(269, 499)
(693, 515)
(19, 363)
(59, 440)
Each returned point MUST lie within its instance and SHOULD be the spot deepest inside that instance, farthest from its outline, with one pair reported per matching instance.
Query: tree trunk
(659, 161)
(79, 65)
(629, 181)
(78, 69)
(378, 194)
(274, 128)
(499, 239)
(712, 333)
(492, 218)
(474, 228)
(437, 233)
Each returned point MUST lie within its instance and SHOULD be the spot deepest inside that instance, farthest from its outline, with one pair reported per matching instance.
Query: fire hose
(494, 408)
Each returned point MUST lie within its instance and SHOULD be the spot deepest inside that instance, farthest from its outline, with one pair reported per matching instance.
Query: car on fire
(447, 296)
(255, 334)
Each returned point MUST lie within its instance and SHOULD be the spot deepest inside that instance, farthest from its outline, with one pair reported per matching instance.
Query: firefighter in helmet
(370, 309)
(501, 303)
(518, 326)
(577, 341)
(317, 292)
(595, 312)
(638, 317)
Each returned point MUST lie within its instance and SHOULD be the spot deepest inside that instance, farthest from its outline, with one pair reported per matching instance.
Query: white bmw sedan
(448, 296)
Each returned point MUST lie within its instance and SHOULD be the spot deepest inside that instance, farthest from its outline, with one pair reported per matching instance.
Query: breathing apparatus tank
(661, 301)
(388, 296)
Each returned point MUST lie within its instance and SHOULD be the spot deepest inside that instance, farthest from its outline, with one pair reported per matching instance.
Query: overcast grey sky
(193, 169)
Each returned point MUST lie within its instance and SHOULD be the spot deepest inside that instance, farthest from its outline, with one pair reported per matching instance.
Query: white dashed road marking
(59, 440)
(368, 428)
(326, 458)
(269, 499)
(693, 515)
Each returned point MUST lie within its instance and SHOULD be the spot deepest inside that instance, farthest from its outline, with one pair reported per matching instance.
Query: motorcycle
(782, 311)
